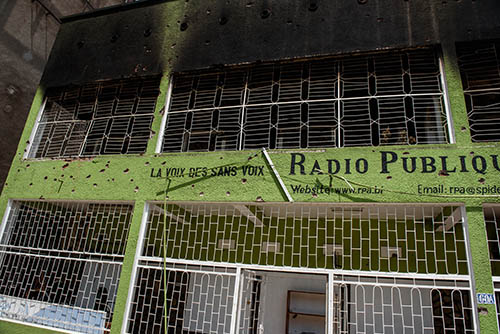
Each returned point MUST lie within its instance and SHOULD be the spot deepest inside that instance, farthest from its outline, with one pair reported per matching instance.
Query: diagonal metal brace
(283, 187)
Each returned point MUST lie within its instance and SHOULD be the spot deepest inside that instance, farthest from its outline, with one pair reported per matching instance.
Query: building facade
(260, 167)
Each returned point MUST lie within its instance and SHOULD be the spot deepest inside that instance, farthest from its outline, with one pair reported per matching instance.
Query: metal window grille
(202, 295)
(109, 117)
(496, 285)
(479, 64)
(492, 224)
(387, 305)
(380, 99)
(426, 239)
(384, 268)
(60, 263)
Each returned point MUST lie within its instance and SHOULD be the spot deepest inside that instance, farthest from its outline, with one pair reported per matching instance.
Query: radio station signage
(390, 161)
(202, 171)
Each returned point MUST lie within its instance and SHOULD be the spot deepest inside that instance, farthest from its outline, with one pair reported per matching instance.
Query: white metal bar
(27, 154)
(449, 119)
(410, 284)
(441, 277)
(471, 270)
(243, 110)
(63, 258)
(481, 90)
(308, 101)
(332, 205)
(3, 225)
(236, 302)
(94, 119)
(337, 104)
(5, 218)
(58, 251)
(159, 143)
(330, 305)
(283, 187)
(133, 275)
(84, 142)
(70, 201)
(185, 269)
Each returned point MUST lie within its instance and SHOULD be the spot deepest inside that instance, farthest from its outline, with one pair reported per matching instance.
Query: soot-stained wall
(184, 35)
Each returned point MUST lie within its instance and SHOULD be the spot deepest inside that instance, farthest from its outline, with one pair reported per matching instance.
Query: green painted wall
(229, 178)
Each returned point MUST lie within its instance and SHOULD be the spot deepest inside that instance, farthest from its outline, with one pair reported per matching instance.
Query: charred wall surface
(179, 35)
(27, 31)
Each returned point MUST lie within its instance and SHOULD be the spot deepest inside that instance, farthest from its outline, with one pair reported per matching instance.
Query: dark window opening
(479, 64)
(362, 100)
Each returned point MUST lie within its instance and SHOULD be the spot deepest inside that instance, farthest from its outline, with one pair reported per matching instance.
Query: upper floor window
(390, 98)
(480, 70)
(108, 117)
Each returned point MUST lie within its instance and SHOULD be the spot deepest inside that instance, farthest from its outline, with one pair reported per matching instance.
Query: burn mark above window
(390, 98)
(109, 117)
(479, 64)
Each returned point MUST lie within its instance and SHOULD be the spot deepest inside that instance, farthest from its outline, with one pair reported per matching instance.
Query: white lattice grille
(492, 224)
(381, 99)
(199, 299)
(250, 304)
(479, 64)
(496, 286)
(388, 305)
(61, 262)
(385, 269)
(109, 117)
(424, 239)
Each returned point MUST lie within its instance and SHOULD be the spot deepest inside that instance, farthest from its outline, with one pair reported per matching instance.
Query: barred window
(480, 70)
(492, 224)
(319, 268)
(60, 263)
(492, 221)
(108, 117)
(394, 98)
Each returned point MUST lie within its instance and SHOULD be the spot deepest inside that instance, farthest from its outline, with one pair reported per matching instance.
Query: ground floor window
(217, 268)
(492, 224)
(60, 263)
